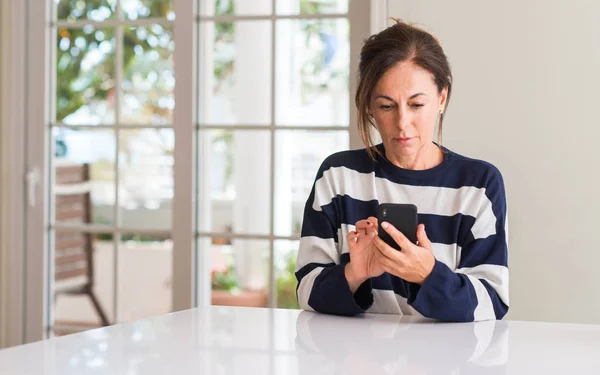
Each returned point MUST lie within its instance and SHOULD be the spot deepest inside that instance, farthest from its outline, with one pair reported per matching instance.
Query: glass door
(121, 224)
(111, 157)
(273, 102)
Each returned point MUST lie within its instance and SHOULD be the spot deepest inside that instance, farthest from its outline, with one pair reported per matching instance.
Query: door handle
(32, 180)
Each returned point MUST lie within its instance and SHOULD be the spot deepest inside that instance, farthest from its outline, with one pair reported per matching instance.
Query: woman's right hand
(363, 254)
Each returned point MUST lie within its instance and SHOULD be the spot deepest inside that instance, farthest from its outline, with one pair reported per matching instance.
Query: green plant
(75, 87)
(223, 34)
(226, 280)
(104, 237)
(131, 237)
(286, 285)
(226, 137)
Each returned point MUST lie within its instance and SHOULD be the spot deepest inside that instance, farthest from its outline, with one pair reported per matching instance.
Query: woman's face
(405, 105)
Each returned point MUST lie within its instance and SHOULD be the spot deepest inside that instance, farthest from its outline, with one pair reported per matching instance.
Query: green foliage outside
(286, 284)
(143, 49)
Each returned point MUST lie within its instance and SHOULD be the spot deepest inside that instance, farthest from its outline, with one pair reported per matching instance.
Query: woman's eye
(417, 105)
(386, 107)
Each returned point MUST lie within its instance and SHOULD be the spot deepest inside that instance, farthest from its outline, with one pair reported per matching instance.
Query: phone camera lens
(384, 213)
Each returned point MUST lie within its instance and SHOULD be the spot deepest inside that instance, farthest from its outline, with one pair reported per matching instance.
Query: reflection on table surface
(234, 340)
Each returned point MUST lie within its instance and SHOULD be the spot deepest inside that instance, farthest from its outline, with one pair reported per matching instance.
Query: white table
(222, 340)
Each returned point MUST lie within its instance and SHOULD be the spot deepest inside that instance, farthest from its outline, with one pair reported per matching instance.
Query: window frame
(37, 85)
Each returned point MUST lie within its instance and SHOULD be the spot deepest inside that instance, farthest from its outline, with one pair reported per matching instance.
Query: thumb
(422, 237)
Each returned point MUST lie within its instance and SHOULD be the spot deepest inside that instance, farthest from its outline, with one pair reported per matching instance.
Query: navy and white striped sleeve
(322, 284)
(478, 288)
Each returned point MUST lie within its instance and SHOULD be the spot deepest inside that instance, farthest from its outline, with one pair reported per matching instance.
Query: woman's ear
(443, 98)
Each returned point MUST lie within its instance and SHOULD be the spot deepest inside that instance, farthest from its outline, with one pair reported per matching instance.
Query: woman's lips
(403, 140)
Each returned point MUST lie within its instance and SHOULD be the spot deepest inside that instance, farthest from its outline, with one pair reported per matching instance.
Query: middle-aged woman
(457, 271)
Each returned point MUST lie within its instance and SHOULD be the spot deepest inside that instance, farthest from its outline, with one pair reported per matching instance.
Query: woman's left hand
(414, 263)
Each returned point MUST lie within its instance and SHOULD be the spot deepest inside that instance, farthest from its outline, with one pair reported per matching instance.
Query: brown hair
(398, 43)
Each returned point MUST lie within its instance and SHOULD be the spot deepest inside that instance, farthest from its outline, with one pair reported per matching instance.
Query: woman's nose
(403, 119)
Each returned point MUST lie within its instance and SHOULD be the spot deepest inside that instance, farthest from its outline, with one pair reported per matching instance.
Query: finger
(422, 238)
(374, 221)
(390, 266)
(359, 237)
(366, 234)
(387, 251)
(352, 236)
(362, 224)
(365, 225)
(400, 238)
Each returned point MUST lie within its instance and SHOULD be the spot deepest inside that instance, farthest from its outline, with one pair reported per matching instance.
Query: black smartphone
(402, 216)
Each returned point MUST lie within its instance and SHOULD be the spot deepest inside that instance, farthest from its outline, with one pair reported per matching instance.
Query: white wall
(527, 81)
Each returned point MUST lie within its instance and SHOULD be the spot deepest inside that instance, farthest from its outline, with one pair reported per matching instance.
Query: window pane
(235, 73)
(74, 10)
(134, 9)
(146, 178)
(234, 176)
(311, 6)
(84, 182)
(145, 276)
(286, 253)
(312, 66)
(298, 155)
(237, 7)
(239, 272)
(82, 260)
(148, 77)
(85, 76)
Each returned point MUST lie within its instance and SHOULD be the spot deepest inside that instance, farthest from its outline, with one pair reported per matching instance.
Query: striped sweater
(462, 203)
